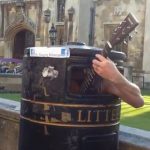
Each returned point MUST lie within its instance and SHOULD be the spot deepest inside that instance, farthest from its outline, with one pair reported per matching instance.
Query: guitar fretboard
(88, 80)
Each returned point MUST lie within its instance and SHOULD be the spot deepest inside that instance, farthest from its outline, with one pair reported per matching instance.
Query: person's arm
(116, 83)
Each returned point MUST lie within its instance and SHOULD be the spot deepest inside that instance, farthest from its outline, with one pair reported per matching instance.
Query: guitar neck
(118, 35)
(91, 73)
(88, 80)
(107, 49)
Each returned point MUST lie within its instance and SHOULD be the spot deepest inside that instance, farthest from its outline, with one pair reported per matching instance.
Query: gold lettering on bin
(107, 116)
(76, 115)
(46, 108)
(65, 117)
(89, 116)
(98, 116)
(55, 120)
(114, 115)
(80, 119)
(45, 91)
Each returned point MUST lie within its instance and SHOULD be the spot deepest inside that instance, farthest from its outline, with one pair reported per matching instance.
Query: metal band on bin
(70, 115)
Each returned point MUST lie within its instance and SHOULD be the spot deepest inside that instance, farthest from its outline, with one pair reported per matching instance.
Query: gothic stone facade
(89, 21)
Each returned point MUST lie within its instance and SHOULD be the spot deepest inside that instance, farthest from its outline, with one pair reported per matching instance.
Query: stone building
(25, 23)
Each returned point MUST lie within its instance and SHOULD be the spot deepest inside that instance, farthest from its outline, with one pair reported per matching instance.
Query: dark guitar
(120, 33)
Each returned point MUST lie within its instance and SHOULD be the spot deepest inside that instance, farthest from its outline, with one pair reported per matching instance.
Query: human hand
(105, 68)
(114, 82)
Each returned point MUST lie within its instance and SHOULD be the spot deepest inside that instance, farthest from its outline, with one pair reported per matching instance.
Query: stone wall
(146, 53)
(9, 124)
(114, 12)
(10, 82)
(1, 47)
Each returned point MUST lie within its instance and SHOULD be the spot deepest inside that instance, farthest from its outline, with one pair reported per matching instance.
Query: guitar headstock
(124, 29)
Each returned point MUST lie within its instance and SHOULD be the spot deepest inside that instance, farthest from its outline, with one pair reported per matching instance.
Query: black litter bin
(56, 114)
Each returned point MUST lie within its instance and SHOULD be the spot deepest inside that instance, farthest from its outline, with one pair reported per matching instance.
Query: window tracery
(60, 10)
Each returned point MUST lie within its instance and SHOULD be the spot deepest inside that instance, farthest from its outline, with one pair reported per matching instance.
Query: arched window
(1, 21)
(60, 10)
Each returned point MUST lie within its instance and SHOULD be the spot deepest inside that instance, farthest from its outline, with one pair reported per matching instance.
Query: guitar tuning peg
(135, 32)
(130, 37)
(125, 42)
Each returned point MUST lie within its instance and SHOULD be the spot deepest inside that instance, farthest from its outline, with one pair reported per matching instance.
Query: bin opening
(77, 83)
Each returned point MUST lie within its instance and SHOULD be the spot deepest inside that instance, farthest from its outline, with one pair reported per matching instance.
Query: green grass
(137, 117)
(11, 96)
(132, 117)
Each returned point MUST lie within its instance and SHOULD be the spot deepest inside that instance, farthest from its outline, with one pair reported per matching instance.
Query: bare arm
(116, 83)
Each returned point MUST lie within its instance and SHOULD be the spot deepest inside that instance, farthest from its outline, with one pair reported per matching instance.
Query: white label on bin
(56, 52)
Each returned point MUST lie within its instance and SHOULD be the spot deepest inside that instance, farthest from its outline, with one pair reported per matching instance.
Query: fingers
(97, 66)
(96, 62)
(100, 57)
(97, 69)
(99, 60)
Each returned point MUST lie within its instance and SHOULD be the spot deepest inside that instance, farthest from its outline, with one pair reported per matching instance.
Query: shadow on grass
(141, 121)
